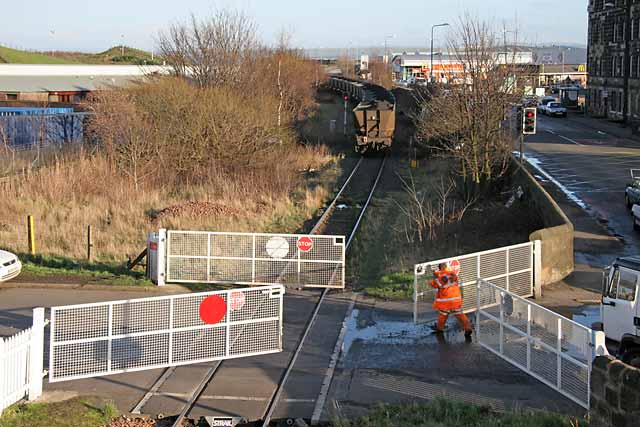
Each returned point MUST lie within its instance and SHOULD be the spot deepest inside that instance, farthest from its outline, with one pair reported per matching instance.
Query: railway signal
(529, 119)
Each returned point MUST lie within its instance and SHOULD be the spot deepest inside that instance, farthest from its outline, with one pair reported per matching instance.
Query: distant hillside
(115, 55)
(14, 56)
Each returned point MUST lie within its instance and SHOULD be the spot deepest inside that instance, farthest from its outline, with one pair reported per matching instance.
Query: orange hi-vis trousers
(462, 319)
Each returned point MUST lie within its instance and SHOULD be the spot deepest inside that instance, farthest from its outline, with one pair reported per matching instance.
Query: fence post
(162, 256)
(89, 243)
(31, 235)
(537, 269)
(36, 354)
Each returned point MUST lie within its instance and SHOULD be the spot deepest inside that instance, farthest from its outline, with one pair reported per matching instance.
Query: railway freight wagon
(375, 115)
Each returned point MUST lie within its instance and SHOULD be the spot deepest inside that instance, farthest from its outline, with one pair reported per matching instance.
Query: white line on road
(564, 137)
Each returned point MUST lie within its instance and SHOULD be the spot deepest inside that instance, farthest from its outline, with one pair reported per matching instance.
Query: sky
(92, 25)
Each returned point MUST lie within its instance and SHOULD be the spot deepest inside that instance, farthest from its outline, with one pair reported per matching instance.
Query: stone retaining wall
(556, 237)
(615, 394)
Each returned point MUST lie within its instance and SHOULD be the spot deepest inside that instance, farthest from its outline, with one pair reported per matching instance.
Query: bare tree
(463, 122)
(214, 51)
(429, 209)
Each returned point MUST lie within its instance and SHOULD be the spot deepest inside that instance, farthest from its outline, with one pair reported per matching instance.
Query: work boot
(468, 335)
(435, 329)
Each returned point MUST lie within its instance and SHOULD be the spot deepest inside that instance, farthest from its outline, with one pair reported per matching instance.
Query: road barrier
(90, 340)
(552, 348)
(512, 267)
(247, 258)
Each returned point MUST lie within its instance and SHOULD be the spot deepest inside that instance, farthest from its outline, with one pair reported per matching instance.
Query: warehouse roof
(71, 78)
(62, 83)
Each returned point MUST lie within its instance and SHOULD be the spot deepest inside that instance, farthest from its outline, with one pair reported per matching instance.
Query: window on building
(632, 66)
(615, 32)
(12, 97)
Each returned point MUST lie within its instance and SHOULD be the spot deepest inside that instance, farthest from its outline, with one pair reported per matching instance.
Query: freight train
(375, 115)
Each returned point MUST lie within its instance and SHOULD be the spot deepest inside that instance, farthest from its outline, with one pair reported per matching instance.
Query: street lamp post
(386, 52)
(431, 66)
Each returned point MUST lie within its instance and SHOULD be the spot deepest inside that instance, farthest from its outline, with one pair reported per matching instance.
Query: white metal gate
(90, 340)
(254, 258)
(21, 363)
(511, 267)
(544, 344)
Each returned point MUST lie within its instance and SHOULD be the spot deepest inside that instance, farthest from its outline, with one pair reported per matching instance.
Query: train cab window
(627, 286)
(612, 291)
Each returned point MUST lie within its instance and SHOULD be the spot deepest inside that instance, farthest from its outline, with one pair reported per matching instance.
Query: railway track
(342, 217)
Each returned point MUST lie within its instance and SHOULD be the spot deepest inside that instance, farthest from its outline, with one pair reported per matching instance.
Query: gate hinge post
(162, 256)
(36, 354)
(537, 269)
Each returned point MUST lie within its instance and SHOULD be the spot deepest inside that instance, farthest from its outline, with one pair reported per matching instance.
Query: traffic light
(529, 118)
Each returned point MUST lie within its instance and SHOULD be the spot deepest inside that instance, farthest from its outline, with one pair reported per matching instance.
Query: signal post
(529, 127)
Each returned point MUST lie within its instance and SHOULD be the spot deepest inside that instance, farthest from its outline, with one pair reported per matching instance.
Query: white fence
(250, 258)
(90, 340)
(21, 363)
(547, 346)
(510, 267)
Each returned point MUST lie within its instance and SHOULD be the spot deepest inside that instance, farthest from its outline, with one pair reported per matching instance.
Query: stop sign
(305, 244)
(455, 266)
(236, 300)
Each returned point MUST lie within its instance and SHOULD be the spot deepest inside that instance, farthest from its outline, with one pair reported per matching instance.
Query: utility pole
(431, 66)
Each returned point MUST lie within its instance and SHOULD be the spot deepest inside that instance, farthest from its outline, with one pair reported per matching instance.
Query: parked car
(632, 190)
(635, 211)
(10, 266)
(542, 105)
(555, 109)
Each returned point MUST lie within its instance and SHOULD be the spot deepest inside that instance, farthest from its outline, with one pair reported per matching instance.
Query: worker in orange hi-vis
(449, 300)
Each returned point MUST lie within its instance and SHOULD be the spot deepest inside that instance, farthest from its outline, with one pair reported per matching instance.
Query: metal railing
(511, 267)
(551, 348)
(89, 340)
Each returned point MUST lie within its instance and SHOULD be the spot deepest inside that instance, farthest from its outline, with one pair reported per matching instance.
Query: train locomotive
(375, 115)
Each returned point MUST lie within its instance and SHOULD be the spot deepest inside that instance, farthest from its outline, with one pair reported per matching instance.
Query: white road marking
(570, 194)
(570, 140)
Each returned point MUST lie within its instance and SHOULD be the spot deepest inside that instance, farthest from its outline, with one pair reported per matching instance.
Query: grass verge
(441, 413)
(78, 412)
(73, 271)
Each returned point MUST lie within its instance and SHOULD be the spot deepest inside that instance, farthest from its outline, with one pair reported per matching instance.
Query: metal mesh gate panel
(90, 340)
(510, 267)
(550, 347)
(249, 259)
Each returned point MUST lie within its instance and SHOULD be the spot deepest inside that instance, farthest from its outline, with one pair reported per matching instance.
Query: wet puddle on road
(395, 332)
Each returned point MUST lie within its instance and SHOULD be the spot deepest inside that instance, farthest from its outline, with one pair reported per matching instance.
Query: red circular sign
(236, 300)
(213, 309)
(305, 244)
(455, 266)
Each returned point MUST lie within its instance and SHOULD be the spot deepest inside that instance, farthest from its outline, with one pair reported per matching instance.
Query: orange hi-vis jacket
(449, 296)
